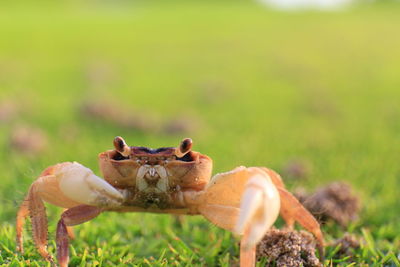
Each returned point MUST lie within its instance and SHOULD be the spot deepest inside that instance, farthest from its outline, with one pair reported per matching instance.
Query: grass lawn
(261, 88)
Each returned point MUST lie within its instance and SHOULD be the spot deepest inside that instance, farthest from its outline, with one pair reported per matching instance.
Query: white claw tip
(258, 211)
(82, 185)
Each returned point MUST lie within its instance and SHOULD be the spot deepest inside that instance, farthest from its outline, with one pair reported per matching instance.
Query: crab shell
(191, 174)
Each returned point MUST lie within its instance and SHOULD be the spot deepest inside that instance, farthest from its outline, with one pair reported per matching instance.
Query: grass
(263, 86)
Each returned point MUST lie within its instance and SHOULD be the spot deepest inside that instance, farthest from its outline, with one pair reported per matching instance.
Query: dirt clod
(288, 248)
(297, 169)
(139, 120)
(113, 114)
(347, 244)
(335, 201)
(28, 140)
(179, 126)
(8, 111)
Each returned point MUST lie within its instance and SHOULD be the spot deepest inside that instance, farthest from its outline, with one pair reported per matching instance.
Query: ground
(258, 87)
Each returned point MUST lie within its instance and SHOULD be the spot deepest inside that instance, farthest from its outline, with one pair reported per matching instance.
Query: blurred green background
(250, 85)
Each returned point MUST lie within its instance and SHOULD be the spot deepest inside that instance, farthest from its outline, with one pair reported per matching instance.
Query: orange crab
(171, 180)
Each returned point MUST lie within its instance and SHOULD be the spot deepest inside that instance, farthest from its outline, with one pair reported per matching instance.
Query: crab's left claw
(259, 208)
(247, 201)
(244, 201)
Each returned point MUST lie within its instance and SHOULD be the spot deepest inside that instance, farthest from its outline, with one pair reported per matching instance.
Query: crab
(174, 180)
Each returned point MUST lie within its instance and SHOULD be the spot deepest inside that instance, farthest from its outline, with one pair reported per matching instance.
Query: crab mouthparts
(152, 179)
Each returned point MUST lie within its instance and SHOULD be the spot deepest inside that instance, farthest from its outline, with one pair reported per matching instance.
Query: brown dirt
(179, 126)
(347, 245)
(335, 201)
(8, 111)
(100, 74)
(108, 112)
(288, 248)
(296, 169)
(28, 140)
(213, 92)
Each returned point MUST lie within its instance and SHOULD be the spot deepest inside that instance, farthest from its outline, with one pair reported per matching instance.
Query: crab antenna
(184, 147)
(121, 146)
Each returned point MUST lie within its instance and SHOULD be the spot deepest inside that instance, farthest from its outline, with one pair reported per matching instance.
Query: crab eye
(121, 147)
(184, 147)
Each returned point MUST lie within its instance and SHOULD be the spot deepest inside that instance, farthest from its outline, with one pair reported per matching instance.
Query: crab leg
(41, 190)
(37, 212)
(66, 185)
(70, 230)
(70, 217)
(23, 212)
(45, 188)
(247, 256)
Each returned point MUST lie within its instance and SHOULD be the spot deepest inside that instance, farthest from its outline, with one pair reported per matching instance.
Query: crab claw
(83, 186)
(259, 209)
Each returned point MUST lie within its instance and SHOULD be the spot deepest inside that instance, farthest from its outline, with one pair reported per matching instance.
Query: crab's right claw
(82, 185)
(259, 209)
